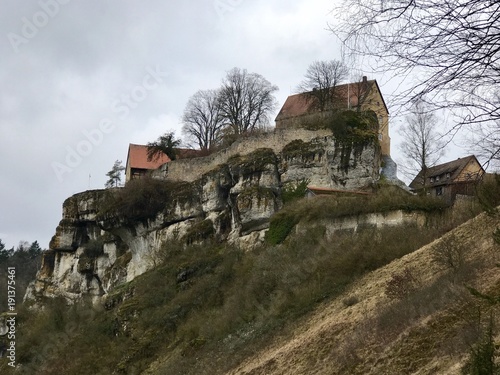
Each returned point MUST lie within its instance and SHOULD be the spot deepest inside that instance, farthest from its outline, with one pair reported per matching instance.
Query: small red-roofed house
(138, 164)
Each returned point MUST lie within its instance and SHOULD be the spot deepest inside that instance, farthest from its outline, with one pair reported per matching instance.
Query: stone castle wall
(192, 169)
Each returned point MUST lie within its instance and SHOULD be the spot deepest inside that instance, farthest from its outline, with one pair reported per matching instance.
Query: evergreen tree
(166, 144)
(4, 253)
(114, 175)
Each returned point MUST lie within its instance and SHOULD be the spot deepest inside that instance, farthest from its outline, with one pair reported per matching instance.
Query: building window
(439, 190)
(432, 179)
(448, 175)
(437, 178)
(380, 137)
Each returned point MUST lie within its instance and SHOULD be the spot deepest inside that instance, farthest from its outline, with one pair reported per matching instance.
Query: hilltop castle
(297, 111)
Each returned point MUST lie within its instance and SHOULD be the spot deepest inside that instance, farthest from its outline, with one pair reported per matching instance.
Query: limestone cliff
(108, 237)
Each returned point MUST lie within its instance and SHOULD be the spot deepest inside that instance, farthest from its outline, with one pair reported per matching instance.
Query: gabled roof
(138, 158)
(454, 168)
(346, 95)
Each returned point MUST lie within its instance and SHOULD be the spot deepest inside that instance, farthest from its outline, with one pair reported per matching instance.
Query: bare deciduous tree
(484, 141)
(449, 48)
(202, 118)
(422, 144)
(321, 79)
(246, 100)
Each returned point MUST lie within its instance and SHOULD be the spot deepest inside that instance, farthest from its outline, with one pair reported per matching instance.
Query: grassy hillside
(307, 305)
(429, 312)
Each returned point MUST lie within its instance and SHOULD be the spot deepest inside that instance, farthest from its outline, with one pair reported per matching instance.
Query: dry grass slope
(430, 331)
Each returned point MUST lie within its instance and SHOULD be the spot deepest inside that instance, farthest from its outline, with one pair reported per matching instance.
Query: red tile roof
(304, 103)
(138, 158)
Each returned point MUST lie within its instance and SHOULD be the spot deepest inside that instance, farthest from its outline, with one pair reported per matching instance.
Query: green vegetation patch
(280, 226)
(299, 149)
(353, 127)
(254, 162)
(353, 131)
(294, 190)
(347, 126)
(262, 194)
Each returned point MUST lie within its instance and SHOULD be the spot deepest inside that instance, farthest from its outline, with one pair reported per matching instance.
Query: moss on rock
(299, 149)
(261, 194)
(254, 162)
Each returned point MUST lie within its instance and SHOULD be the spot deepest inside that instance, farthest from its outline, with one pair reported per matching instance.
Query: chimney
(364, 79)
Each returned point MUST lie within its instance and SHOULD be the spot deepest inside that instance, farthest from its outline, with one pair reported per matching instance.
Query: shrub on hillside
(450, 253)
(280, 226)
(401, 285)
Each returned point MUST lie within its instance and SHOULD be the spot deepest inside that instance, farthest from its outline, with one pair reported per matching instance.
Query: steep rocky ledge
(96, 248)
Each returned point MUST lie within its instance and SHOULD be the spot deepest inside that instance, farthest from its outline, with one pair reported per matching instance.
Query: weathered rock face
(99, 244)
(325, 163)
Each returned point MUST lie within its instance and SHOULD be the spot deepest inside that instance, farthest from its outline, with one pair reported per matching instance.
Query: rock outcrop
(108, 237)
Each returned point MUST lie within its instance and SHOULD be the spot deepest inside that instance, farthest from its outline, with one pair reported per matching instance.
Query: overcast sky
(80, 80)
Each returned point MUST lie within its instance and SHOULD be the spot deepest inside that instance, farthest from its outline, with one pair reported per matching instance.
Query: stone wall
(192, 169)
(373, 220)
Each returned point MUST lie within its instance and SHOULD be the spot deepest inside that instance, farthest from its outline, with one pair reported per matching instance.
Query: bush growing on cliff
(299, 149)
(254, 162)
(144, 198)
(347, 126)
(295, 190)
